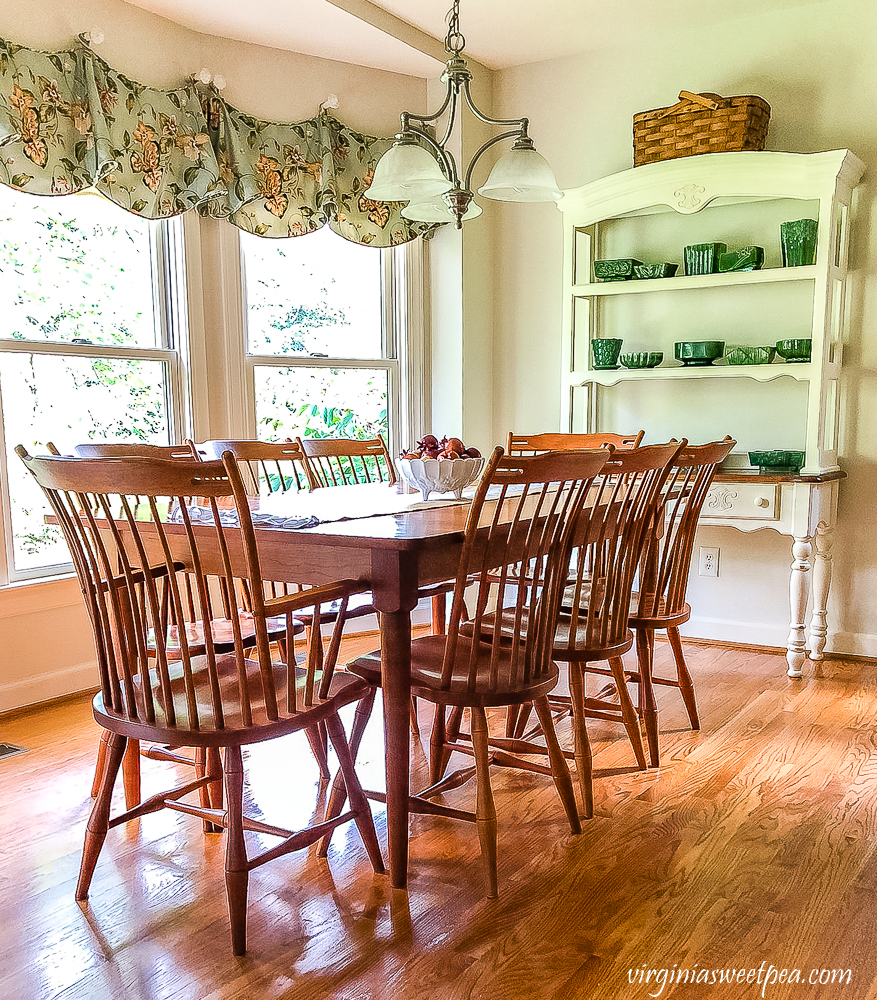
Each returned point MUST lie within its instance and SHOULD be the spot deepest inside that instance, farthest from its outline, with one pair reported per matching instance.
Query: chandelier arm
(483, 149)
(444, 156)
(426, 119)
(522, 123)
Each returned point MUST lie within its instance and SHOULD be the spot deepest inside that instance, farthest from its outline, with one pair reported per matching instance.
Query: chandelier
(420, 169)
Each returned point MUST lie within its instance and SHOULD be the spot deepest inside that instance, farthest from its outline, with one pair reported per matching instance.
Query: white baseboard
(774, 634)
(46, 686)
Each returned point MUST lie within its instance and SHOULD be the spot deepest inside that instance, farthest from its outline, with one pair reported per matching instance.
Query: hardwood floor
(755, 842)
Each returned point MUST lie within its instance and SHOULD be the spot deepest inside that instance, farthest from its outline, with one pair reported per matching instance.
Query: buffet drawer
(742, 501)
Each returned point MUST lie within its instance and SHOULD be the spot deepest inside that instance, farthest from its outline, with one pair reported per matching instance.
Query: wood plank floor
(755, 842)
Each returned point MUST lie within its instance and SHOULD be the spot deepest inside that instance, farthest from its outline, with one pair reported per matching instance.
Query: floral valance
(69, 121)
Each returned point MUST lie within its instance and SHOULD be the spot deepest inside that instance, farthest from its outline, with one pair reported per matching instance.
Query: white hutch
(651, 213)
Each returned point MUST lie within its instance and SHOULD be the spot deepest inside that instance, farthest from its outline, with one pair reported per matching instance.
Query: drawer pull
(761, 502)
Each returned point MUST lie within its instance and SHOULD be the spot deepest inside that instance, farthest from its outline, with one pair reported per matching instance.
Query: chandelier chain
(454, 40)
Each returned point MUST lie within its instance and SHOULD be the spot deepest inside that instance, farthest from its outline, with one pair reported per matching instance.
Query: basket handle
(686, 96)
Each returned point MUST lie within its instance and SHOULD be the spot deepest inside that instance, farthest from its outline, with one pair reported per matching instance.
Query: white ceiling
(499, 33)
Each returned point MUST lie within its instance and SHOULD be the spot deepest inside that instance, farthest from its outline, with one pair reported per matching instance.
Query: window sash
(170, 318)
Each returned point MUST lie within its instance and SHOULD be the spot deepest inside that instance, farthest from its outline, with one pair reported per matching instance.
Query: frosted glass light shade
(521, 174)
(407, 172)
(437, 210)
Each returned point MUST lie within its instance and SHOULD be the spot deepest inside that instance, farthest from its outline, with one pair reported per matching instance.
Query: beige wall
(815, 67)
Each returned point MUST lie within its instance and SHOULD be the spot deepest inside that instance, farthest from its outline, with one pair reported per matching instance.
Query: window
(322, 346)
(88, 348)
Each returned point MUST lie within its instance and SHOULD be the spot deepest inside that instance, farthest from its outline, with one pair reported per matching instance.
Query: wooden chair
(593, 622)
(282, 468)
(536, 444)
(236, 603)
(544, 499)
(344, 461)
(114, 515)
(265, 467)
(659, 602)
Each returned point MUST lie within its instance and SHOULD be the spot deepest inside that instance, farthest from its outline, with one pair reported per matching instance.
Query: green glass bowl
(698, 352)
(642, 359)
(750, 355)
(795, 350)
(665, 270)
(777, 461)
(615, 270)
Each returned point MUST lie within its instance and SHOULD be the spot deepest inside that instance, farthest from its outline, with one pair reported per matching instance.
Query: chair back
(132, 524)
(525, 510)
(535, 444)
(344, 461)
(136, 449)
(625, 502)
(664, 576)
(264, 466)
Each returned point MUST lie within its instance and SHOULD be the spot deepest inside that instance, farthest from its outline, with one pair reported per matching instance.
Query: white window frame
(402, 344)
(169, 293)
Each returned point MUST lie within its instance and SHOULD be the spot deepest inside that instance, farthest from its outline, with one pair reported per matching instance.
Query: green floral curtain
(69, 121)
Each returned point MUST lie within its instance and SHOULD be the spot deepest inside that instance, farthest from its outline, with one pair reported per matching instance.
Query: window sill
(34, 596)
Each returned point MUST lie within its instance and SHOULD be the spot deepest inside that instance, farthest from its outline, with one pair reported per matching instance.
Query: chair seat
(426, 666)
(577, 651)
(655, 617)
(344, 689)
(223, 634)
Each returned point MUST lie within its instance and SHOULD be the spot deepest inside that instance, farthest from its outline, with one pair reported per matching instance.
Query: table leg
(396, 684)
(823, 539)
(798, 591)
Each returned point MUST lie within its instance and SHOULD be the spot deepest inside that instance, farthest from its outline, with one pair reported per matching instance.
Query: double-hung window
(90, 335)
(324, 353)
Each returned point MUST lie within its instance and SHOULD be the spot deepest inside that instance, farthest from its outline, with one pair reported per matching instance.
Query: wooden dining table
(382, 535)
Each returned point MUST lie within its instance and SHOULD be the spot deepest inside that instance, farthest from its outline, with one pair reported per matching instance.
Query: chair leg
(315, 739)
(437, 745)
(522, 720)
(628, 712)
(131, 774)
(415, 725)
(485, 810)
(582, 748)
(236, 870)
(452, 731)
(99, 821)
(214, 787)
(559, 766)
(338, 794)
(358, 802)
(685, 684)
(101, 762)
(439, 614)
(645, 653)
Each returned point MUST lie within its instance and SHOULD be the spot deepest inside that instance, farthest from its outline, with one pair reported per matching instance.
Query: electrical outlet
(708, 564)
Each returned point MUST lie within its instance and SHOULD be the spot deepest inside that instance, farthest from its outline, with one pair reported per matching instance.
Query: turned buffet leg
(798, 590)
(823, 539)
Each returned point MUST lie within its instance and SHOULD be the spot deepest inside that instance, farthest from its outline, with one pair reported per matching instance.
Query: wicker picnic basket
(700, 123)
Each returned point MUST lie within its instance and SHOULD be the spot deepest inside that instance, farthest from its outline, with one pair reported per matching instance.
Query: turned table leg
(396, 683)
(823, 539)
(798, 590)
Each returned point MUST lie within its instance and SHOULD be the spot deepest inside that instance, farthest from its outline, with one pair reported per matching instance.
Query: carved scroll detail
(689, 195)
